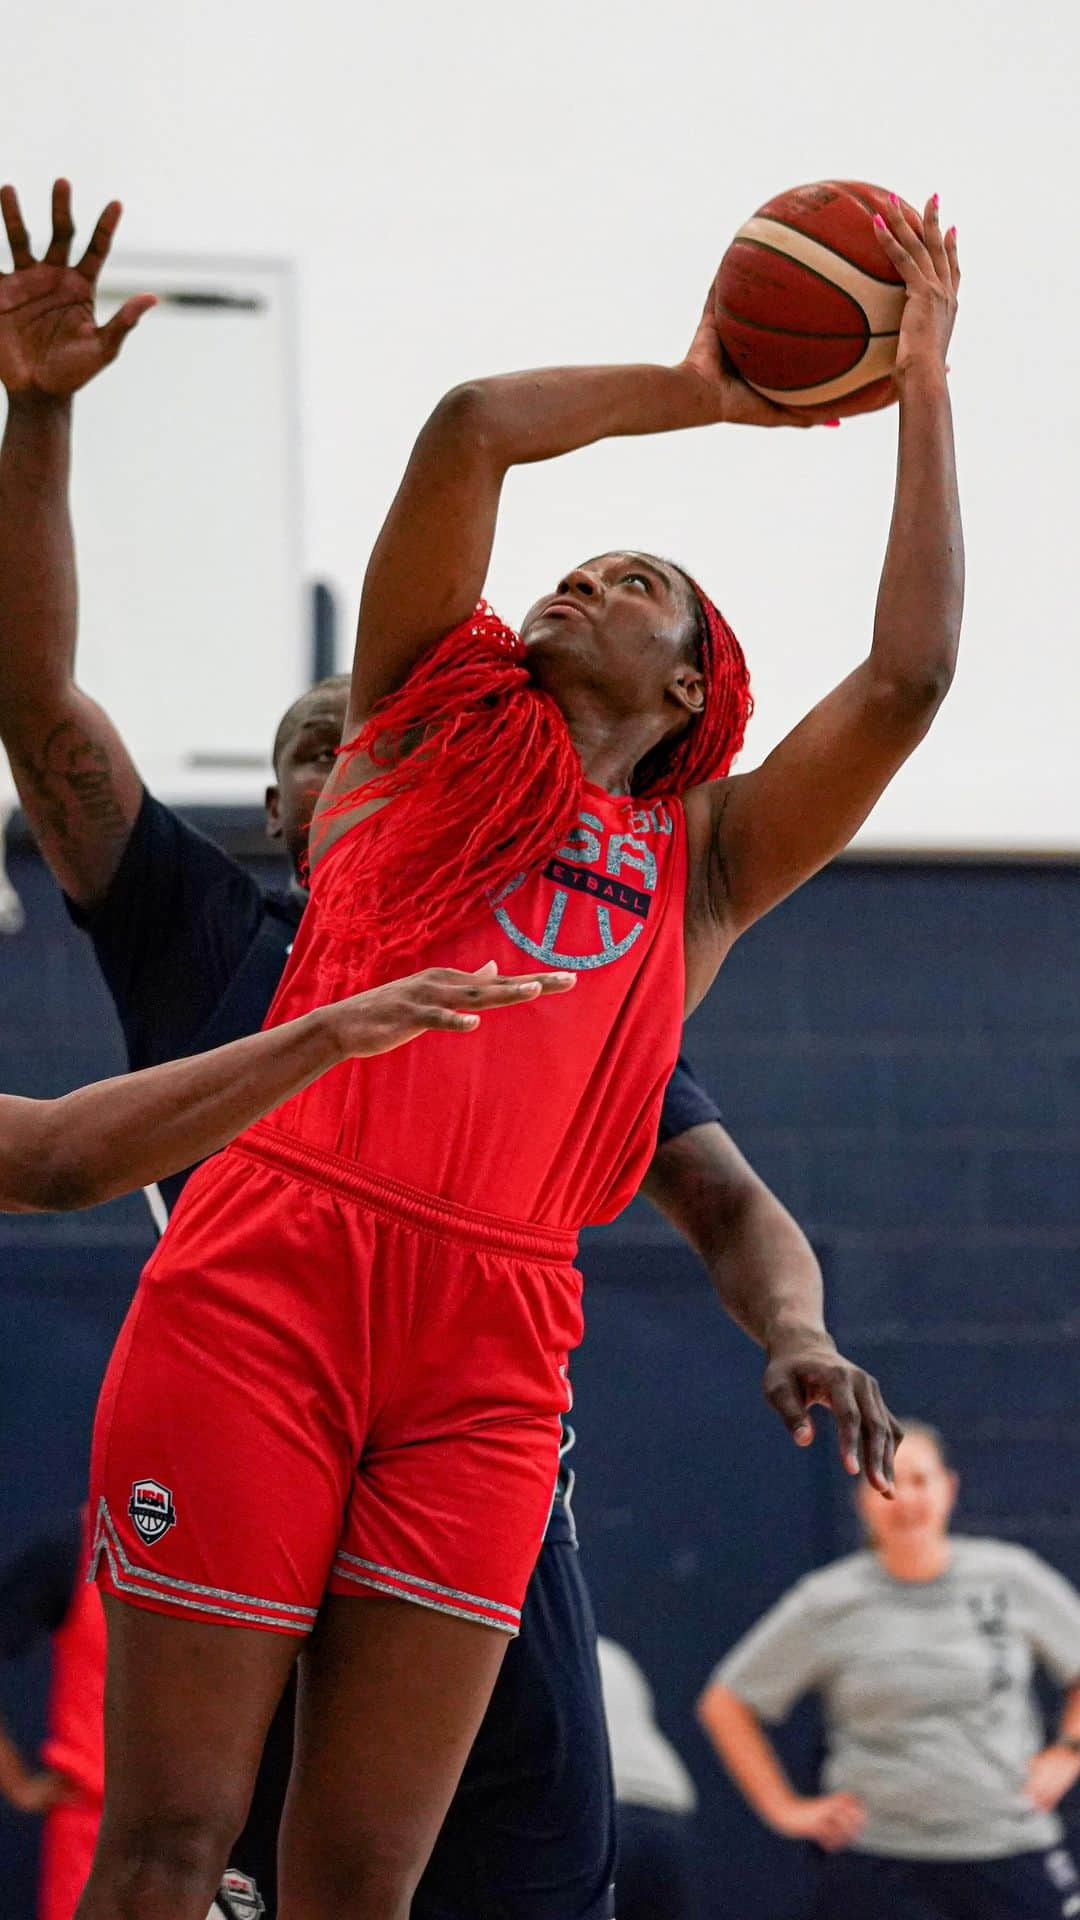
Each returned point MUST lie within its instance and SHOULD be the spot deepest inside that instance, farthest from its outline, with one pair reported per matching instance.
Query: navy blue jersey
(191, 948)
(686, 1104)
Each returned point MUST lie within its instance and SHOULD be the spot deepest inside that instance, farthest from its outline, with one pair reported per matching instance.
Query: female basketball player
(333, 1413)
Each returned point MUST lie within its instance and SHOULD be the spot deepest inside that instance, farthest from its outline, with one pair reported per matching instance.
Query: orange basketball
(807, 303)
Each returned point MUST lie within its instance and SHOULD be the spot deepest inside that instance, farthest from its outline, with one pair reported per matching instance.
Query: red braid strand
(491, 791)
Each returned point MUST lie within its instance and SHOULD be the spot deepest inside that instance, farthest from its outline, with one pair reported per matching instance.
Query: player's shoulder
(165, 840)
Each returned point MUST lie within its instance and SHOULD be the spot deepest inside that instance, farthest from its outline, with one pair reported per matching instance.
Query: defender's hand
(441, 999)
(805, 1370)
(50, 342)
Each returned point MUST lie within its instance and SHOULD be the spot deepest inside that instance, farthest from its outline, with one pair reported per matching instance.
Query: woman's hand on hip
(1050, 1776)
(831, 1820)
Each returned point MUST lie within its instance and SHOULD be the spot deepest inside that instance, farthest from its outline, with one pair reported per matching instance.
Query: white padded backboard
(186, 503)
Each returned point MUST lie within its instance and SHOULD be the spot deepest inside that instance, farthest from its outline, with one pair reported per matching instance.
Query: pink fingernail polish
(878, 221)
(895, 198)
(831, 423)
(951, 235)
(935, 202)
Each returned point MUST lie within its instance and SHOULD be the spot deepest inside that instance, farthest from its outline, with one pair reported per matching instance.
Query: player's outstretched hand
(804, 1370)
(439, 1000)
(728, 399)
(50, 342)
(927, 262)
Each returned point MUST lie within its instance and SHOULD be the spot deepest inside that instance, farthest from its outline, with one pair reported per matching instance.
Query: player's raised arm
(75, 777)
(100, 1141)
(771, 829)
(428, 567)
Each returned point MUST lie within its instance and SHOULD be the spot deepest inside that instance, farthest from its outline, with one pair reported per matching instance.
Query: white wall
(474, 187)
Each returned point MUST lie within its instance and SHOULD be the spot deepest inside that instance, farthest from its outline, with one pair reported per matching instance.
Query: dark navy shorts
(657, 1876)
(530, 1834)
(1023, 1886)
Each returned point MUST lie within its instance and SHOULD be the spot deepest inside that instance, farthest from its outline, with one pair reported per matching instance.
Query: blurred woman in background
(940, 1792)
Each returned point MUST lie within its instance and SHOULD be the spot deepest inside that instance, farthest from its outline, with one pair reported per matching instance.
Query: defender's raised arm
(75, 777)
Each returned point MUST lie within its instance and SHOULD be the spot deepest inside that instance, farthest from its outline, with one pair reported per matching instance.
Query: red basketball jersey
(547, 1112)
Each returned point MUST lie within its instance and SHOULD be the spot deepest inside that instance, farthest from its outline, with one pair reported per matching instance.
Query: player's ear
(273, 813)
(687, 687)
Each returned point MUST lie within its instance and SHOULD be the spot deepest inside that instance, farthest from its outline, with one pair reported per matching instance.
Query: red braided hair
(494, 787)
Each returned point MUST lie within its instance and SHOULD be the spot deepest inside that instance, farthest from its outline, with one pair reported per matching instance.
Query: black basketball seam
(799, 333)
(750, 241)
(845, 188)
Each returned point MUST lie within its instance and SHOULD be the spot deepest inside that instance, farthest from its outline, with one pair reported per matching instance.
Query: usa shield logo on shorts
(152, 1511)
(238, 1898)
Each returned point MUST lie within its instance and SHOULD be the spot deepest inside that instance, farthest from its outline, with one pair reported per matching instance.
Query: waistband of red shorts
(382, 1193)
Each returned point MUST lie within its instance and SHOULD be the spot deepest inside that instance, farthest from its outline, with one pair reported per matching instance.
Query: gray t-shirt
(926, 1686)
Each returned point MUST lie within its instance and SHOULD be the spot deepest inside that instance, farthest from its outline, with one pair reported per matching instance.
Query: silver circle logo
(597, 874)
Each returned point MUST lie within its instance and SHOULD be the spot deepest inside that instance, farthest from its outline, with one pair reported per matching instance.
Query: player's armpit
(80, 790)
(771, 829)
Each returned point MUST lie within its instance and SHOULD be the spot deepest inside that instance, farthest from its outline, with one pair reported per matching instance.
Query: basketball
(807, 303)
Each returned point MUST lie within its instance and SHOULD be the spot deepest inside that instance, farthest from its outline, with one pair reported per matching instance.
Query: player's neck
(609, 748)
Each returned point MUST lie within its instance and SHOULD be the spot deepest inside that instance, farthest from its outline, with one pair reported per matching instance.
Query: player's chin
(552, 649)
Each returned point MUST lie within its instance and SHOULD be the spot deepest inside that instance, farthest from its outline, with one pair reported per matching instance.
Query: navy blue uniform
(192, 948)
(1022, 1886)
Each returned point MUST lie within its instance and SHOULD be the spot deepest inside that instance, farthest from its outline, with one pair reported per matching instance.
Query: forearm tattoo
(74, 788)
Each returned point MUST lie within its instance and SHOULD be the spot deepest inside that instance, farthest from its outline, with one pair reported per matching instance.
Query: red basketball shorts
(331, 1382)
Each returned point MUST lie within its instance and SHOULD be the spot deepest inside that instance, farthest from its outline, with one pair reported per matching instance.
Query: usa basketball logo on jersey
(600, 886)
(151, 1510)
